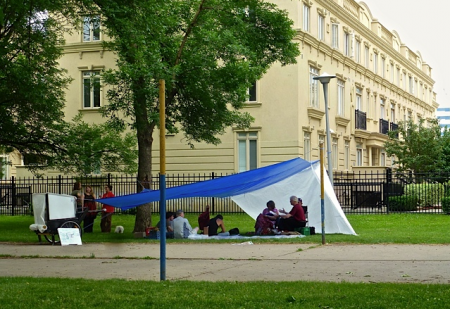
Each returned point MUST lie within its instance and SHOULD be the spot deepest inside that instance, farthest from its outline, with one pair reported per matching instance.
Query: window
(392, 113)
(91, 29)
(321, 28)
(383, 63)
(368, 103)
(247, 151)
(366, 56)
(305, 17)
(334, 153)
(347, 155)
(411, 85)
(359, 99)
(375, 63)
(392, 73)
(398, 77)
(252, 93)
(382, 108)
(307, 146)
(359, 156)
(313, 87)
(383, 159)
(347, 44)
(335, 35)
(341, 97)
(91, 89)
(404, 81)
(4, 167)
(358, 51)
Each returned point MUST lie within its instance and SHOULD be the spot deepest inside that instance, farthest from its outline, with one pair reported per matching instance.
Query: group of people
(177, 226)
(85, 200)
(274, 221)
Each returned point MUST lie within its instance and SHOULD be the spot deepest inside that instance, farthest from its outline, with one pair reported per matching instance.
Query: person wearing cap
(295, 218)
(181, 226)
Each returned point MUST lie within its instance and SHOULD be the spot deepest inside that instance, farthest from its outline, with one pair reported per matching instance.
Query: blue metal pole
(162, 225)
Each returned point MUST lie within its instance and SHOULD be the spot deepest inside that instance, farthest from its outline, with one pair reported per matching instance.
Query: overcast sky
(422, 27)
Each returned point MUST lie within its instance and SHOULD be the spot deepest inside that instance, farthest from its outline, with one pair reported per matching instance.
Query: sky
(422, 27)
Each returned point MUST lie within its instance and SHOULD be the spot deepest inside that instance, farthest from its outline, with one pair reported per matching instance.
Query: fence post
(388, 185)
(109, 179)
(14, 195)
(59, 184)
(212, 201)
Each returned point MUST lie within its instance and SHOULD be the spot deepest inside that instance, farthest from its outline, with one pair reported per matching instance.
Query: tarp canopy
(252, 189)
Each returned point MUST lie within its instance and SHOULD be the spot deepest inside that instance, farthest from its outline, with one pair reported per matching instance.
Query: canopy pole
(162, 178)
(322, 194)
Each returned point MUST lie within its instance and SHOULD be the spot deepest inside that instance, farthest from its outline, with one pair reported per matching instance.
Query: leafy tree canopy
(418, 148)
(209, 52)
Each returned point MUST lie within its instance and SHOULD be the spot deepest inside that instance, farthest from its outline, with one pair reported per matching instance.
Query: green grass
(78, 293)
(371, 229)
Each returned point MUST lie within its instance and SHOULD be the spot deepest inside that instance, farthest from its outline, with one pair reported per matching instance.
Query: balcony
(394, 127)
(384, 126)
(360, 120)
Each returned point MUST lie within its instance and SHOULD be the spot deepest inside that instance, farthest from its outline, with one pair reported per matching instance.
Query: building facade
(380, 81)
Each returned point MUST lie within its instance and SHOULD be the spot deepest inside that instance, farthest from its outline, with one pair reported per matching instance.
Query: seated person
(203, 218)
(217, 222)
(295, 218)
(265, 222)
(169, 224)
(181, 226)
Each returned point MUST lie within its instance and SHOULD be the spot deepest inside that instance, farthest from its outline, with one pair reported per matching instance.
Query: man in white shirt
(181, 226)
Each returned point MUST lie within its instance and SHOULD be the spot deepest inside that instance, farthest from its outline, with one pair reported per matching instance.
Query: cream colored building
(380, 82)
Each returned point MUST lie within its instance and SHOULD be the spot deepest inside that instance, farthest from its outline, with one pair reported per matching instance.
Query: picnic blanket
(201, 236)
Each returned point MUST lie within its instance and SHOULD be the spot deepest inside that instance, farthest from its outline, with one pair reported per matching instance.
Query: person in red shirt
(107, 211)
(295, 218)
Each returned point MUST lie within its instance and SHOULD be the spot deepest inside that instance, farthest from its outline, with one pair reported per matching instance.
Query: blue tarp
(231, 185)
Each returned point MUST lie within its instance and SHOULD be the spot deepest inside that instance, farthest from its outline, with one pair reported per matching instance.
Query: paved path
(232, 262)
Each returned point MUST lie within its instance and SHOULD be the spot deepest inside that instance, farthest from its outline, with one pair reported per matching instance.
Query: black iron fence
(359, 193)
(16, 193)
(388, 191)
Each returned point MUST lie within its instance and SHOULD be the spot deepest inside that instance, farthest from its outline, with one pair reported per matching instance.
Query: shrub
(446, 204)
(403, 203)
(428, 194)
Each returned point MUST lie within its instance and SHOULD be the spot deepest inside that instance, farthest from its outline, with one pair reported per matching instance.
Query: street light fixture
(324, 80)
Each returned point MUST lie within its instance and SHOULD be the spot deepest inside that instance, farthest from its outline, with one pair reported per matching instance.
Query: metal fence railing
(15, 193)
(357, 193)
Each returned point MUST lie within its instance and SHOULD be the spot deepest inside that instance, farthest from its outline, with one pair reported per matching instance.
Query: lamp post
(324, 80)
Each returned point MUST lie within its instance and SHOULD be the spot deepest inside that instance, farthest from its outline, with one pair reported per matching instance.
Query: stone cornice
(342, 121)
(354, 23)
(315, 113)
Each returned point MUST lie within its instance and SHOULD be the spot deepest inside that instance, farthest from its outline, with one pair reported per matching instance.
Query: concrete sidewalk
(232, 262)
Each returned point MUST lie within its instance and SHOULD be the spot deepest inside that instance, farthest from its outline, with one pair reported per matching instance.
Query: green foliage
(31, 84)
(91, 148)
(403, 203)
(82, 293)
(418, 147)
(428, 194)
(445, 203)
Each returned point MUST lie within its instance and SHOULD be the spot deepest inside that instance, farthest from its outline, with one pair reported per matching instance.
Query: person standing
(295, 218)
(107, 211)
(91, 205)
(78, 195)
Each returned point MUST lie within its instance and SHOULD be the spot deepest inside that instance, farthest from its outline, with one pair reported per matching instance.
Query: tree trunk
(144, 131)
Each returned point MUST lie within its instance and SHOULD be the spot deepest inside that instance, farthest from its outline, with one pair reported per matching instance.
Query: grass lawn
(78, 293)
(371, 229)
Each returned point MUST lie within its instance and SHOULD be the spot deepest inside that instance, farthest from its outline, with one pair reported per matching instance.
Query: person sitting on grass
(217, 222)
(265, 222)
(181, 226)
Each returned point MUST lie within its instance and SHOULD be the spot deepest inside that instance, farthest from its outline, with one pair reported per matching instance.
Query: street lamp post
(324, 80)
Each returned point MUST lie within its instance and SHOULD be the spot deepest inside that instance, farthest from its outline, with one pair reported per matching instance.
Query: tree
(32, 94)
(209, 52)
(419, 148)
(91, 148)
(31, 84)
